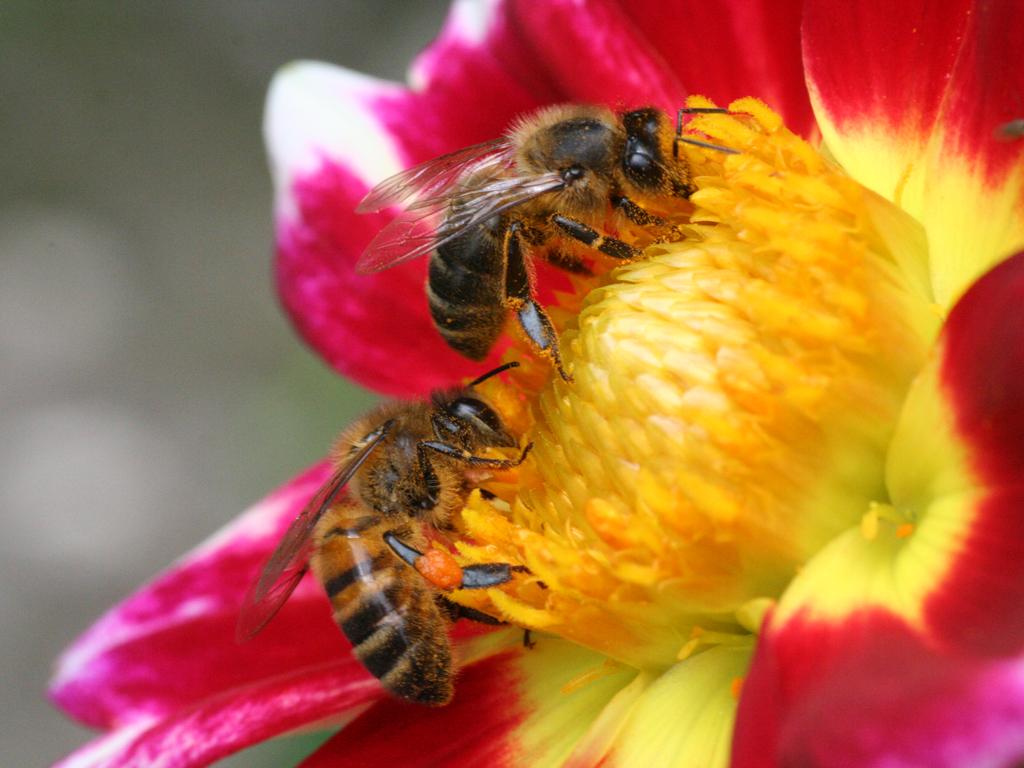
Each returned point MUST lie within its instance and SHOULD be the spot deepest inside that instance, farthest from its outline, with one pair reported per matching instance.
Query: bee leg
(437, 566)
(538, 329)
(519, 298)
(478, 576)
(636, 212)
(454, 611)
(568, 262)
(485, 575)
(430, 481)
(445, 428)
(462, 454)
(408, 554)
(640, 216)
(590, 237)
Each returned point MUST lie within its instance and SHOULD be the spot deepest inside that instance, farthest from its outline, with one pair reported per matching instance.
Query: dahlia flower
(775, 520)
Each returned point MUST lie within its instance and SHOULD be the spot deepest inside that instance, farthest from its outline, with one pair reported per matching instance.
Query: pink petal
(472, 730)
(234, 719)
(906, 68)
(983, 371)
(974, 178)
(919, 104)
(512, 707)
(985, 91)
(868, 692)
(882, 62)
(981, 604)
(977, 606)
(332, 135)
(467, 86)
(375, 329)
(172, 643)
(593, 52)
(725, 50)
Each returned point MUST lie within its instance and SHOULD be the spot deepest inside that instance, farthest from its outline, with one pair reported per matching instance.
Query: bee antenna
(495, 372)
(697, 142)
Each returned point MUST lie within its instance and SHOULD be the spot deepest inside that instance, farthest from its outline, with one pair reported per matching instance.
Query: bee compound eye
(638, 162)
(470, 409)
(572, 173)
(481, 421)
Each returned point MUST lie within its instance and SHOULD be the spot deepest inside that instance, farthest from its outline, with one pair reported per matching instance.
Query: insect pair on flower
(546, 189)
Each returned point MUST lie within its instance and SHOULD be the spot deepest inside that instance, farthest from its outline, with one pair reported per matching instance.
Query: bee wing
(431, 222)
(435, 177)
(411, 234)
(290, 560)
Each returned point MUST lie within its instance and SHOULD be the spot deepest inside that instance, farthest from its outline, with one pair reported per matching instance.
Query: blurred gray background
(150, 388)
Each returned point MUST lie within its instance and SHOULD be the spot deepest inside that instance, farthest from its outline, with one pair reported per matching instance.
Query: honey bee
(408, 468)
(552, 181)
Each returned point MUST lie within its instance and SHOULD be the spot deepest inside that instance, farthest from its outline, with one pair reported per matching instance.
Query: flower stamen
(734, 395)
(607, 667)
(898, 521)
(703, 637)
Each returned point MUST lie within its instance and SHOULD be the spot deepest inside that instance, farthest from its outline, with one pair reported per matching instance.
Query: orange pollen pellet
(736, 687)
(440, 569)
(904, 530)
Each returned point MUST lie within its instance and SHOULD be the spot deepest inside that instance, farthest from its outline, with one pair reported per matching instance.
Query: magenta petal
(476, 729)
(869, 692)
(853, 51)
(467, 86)
(235, 719)
(375, 329)
(593, 52)
(957, 68)
(980, 606)
(983, 372)
(726, 50)
(983, 101)
(332, 135)
(172, 643)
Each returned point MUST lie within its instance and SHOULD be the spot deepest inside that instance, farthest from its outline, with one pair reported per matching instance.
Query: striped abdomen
(386, 610)
(466, 291)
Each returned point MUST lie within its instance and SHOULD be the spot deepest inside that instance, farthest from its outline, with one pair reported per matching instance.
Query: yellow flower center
(734, 395)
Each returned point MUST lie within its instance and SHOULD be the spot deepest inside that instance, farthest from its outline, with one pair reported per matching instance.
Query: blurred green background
(150, 388)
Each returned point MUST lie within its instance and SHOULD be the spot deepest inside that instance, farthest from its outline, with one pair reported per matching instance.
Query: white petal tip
(318, 111)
